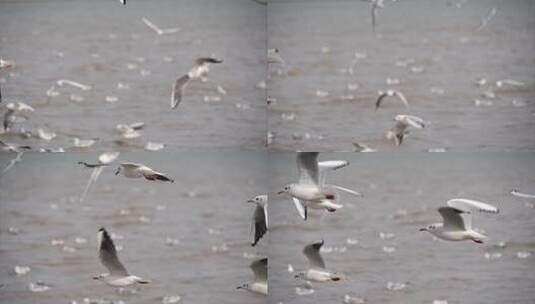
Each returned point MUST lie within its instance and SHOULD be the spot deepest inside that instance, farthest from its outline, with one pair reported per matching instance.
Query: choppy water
(106, 45)
(319, 39)
(400, 195)
(205, 207)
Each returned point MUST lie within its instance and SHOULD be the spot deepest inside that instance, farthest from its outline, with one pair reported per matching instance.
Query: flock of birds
(403, 122)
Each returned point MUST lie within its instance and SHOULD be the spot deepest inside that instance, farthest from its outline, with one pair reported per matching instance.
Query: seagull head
(259, 199)
(286, 189)
(244, 286)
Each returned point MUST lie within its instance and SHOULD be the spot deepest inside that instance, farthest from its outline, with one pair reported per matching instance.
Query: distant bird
(158, 30)
(390, 93)
(316, 271)
(399, 131)
(10, 147)
(129, 131)
(12, 163)
(517, 193)
(486, 19)
(200, 70)
(260, 283)
(104, 160)
(133, 170)
(510, 82)
(259, 224)
(123, 2)
(359, 147)
(457, 224)
(117, 276)
(273, 56)
(309, 192)
(73, 84)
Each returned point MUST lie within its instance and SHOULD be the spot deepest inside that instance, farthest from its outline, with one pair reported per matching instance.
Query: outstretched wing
(301, 208)
(204, 60)
(312, 252)
(178, 90)
(380, 99)
(259, 224)
(259, 268)
(453, 219)
(108, 254)
(307, 163)
(468, 205)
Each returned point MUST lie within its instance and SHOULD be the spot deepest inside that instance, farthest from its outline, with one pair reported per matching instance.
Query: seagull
(12, 163)
(123, 2)
(399, 131)
(310, 191)
(104, 160)
(274, 57)
(260, 284)
(359, 147)
(10, 147)
(117, 276)
(390, 93)
(200, 70)
(485, 20)
(517, 193)
(133, 170)
(74, 84)
(511, 82)
(260, 217)
(316, 271)
(457, 224)
(158, 30)
(130, 131)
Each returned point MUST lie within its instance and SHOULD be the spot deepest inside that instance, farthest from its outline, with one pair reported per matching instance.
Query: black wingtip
(102, 229)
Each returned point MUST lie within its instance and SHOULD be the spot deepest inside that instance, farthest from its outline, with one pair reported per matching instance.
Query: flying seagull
(399, 131)
(104, 159)
(260, 217)
(457, 224)
(117, 276)
(158, 30)
(133, 170)
(309, 191)
(200, 70)
(390, 93)
(316, 271)
(517, 193)
(260, 284)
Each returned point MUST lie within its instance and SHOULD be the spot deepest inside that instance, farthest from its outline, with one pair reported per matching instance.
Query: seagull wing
(379, 100)
(259, 223)
(92, 179)
(453, 219)
(108, 254)
(468, 205)
(307, 163)
(150, 174)
(323, 166)
(178, 90)
(12, 163)
(520, 194)
(265, 207)
(8, 118)
(402, 97)
(312, 252)
(259, 268)
(414, 121)
(204, 60)
(346, 190)
(301, 208)
(151, 25)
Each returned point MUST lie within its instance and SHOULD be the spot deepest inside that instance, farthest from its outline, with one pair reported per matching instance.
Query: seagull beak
(250, 201)
(95, 278)
(423, 229)
(280, 192)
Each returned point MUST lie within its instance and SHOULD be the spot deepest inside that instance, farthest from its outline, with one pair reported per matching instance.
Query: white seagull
(390, 93)
(259, 224)
(310, 191)
(517, 193)
(133, 170)
(117, 276)
(200, 70)
(457, 224)
(403, 121)
(158, 30)
(260, 284)
(104, 160)
(316, 271)
(274, 57)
